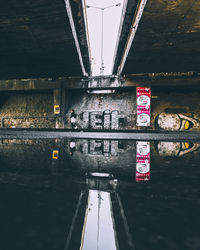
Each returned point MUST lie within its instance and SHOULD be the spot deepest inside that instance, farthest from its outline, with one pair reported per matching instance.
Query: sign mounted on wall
(56, 109)
(143, 96)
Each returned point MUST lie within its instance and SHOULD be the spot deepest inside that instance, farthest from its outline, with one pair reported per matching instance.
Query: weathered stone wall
(118, 110)
(170, 110)
(27, 111)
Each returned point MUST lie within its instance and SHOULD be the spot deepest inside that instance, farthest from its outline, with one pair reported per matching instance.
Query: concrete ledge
(104, 135)
(185, 79)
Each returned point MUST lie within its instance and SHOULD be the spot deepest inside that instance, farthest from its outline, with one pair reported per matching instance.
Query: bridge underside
(37, 40)
(167, 39)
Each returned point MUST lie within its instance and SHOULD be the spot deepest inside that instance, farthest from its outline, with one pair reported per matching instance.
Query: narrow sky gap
(111, 22)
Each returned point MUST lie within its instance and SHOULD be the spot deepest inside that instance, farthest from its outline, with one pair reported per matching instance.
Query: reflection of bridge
(42, 212)
(104, 225)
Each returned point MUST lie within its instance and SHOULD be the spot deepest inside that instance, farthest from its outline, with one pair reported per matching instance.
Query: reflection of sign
(142, 161)
(56, 109)
(143, 106)
(142, 168)
(55, 154)
(143, 148)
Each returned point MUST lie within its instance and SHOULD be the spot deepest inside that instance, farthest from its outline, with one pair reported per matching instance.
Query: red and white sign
(143, 106)
(142, 161)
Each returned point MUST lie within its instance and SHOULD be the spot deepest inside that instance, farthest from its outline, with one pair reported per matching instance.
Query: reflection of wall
(119, 157)
(177, 149)
(116, 157)
(107, 156)
(26, 155)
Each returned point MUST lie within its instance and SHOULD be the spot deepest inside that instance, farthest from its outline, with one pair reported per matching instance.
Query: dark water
(86, 194)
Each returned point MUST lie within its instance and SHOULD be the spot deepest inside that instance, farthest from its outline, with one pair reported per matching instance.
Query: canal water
(99, 195)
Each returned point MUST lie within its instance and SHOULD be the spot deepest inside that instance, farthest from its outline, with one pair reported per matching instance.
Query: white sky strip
(132, 33)
(102, 44)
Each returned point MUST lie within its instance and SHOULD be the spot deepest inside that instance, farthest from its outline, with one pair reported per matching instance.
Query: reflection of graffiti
(103, 147)
(176, 122)
(99, 147)
(176, 148)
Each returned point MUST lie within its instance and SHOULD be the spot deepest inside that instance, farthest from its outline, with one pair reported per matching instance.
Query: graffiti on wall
(102, 120)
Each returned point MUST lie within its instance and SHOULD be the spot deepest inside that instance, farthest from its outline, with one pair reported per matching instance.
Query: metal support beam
(164, 79)
(134, 26)
(120, 32)
(69, 12)
(169, 79)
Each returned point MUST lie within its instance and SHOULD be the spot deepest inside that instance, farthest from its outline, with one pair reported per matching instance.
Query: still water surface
(89, 197)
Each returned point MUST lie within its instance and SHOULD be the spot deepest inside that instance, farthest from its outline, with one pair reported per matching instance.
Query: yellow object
(187, 125)
(55, 154)
(187, 145)
(56, 109)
